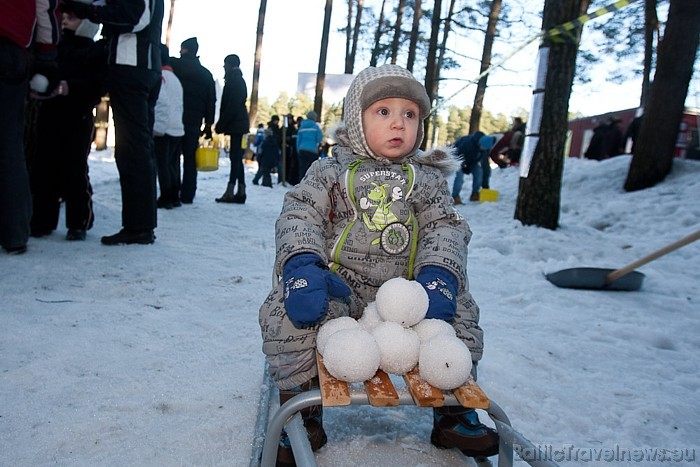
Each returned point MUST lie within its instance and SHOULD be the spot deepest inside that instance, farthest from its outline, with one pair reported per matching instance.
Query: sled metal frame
(287, 417)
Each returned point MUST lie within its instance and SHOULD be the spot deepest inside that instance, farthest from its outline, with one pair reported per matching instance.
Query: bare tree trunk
(397, 31)
(431, 64)
(256, 64)
(539, 194)
(170, 23)
(348, 37)
(377, 37)
(321, 75)
(478, 106)
(651, 25)
(413, 45)
(653, 151)
(352, 36)
(441, 59)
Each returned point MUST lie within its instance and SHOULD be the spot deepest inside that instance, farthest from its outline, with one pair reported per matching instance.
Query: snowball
(370, 317)
(402, 301)
(330, 327)
(398, 346)
(429, 328)
(445, 362)
(352, 355)
(39, 83)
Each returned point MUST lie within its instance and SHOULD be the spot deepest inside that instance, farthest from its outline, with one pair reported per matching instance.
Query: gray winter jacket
(371, 220)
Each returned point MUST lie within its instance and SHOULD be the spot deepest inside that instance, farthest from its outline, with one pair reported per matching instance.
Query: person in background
(596, 147)
(515, 147)
(168, 130)
(309, 138)
(470, 154)
(291, 157)
(23, 24)
(268, 158)
(632, 132)
(377, 210)
(199, 97)
(614, 142)
(65, 128)
(132, 30)
(234, 121)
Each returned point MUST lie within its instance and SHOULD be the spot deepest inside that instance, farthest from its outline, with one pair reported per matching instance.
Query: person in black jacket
(65, 126)
(199, 99)
(132, 29)
(234, 121)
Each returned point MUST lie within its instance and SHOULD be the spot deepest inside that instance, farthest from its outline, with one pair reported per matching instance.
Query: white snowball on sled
(429, 328)
(352, 355)
(370, 317)
(445, 362)
(330, 327)
(402, 301)
(399, 347)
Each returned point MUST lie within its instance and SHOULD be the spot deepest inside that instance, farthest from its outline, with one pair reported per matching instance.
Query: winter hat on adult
(311, 115)
(371, 85)
(191, 45)
(232, 61)
(87, 29)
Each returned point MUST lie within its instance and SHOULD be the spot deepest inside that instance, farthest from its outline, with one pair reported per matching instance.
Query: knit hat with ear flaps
(373, 84)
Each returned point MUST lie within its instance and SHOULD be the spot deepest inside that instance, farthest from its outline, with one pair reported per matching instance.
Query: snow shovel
(625, 278)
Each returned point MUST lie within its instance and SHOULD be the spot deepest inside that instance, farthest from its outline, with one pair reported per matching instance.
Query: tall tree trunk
(253, 113)
(539, 193)
(356, 36)
(431, 64)
(170, 23)
(478, 106)
(377, 37)
(653, 151)
(397, 31)
(651, 26)
(348, 37)
(441, 59)
(415, 31)
(321, 75)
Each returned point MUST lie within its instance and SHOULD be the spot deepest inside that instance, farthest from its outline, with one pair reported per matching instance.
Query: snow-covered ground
(151, 355)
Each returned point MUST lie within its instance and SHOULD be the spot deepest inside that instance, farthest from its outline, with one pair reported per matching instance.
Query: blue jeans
(477, 177)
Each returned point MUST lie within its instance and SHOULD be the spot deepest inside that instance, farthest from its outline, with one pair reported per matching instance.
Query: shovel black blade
(594, 279)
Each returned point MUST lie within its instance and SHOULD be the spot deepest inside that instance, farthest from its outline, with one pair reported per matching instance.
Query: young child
(376, 210)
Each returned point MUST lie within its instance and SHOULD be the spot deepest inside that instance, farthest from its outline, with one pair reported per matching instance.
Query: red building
(581, 131)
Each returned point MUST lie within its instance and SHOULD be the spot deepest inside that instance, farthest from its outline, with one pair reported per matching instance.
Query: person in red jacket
(27, 28)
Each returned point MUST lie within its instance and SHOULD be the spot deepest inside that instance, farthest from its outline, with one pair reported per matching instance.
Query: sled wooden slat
(471, 395)
(381, 391)
(334, 393)
(424, 395)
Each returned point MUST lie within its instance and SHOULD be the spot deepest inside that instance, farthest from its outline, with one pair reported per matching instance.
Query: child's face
(391, 127)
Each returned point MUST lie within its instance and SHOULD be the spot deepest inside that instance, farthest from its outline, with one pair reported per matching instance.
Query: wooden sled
(379, 391)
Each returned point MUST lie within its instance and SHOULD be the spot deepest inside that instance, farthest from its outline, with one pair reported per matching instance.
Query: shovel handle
(658, 253)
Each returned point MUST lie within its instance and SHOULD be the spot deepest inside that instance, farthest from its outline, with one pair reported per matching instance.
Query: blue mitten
(441, 286)
(308, 284)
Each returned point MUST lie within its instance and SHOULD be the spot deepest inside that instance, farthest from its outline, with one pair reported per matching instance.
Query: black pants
(306, 158)
(60, 168)
(190, 142)
(133, 93)
(15, 196)
(168, 160)
(236, 156)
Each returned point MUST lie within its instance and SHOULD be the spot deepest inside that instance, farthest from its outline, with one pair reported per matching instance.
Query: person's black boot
(130, 237)
(459, 427)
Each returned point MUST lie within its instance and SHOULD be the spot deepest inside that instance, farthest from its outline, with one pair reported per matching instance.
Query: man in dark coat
(199, 97)
(132, 30)
(234, 121)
